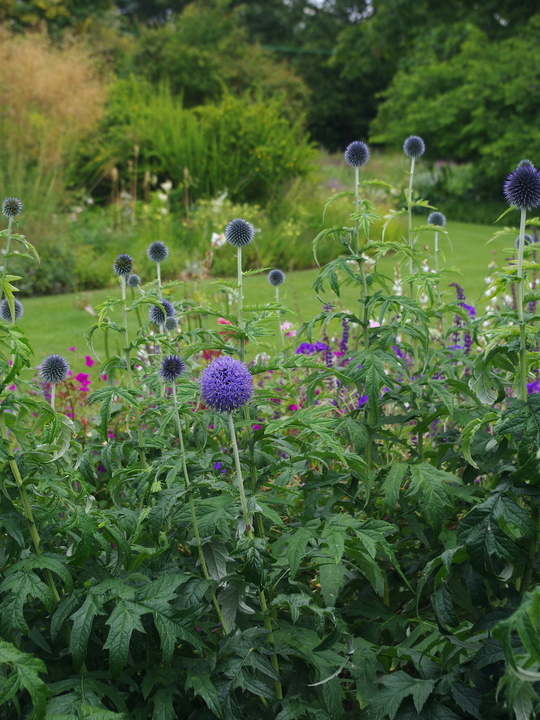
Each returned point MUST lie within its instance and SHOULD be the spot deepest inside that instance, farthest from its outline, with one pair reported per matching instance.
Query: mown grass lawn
(56, 323)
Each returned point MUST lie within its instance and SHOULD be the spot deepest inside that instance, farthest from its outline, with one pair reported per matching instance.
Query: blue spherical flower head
(522, 187)
(357, 154)
(11, 207)
(54, 369)
(5, 312)
(158, 251)
(171, 324)
(171, 368)
(133, 281)
(123, 265)
(414, 147)
(436, 218)
(239, 233)
(160, 313)
(226, 384)
(276, 277)
(529, 240)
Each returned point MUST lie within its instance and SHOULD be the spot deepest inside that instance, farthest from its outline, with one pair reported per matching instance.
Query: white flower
(218, 240)
(163, 197)
(167, 186)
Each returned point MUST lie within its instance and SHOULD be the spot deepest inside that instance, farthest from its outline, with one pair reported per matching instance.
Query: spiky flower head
(123, 265)
(54, 369)
(5, 312)
(276, 277)
(159, 313)
(356, 154)
(522, 187)
(226, 384)
(133, 280)
(525, 163)
(172, 367)
(11, 207)
(168, 307)
(436, 218)
(171, 324)
(528, 240)
(158, 252)
(414, 147)
(239, 233)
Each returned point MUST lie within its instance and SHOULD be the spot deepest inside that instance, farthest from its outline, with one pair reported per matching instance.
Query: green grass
(58, 322)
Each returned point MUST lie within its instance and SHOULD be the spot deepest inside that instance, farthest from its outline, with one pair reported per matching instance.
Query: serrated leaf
(295, 549)
(392, 483)
(331, 577)
(398, 686)
(123, 620)
(83, 620)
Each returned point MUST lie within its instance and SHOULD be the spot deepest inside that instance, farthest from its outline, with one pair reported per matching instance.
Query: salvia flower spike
(171, 368)
(414, 147)
(123, 265)
(357, 154)
(226, 384)
(239, 233)
(276, 277)
(158, 251)
(5, 311)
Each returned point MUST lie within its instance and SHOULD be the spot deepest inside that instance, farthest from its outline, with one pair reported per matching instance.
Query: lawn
(57, 323)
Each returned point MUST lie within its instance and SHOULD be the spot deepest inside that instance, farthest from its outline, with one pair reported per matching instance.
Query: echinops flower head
(525, 163)
(168, 307)
(171, 324)
(226, 384)
(133, 280)
(123, 265)
(239, 233)
(158, 251)
(5, 312)
(276, 277)
(356, 154)
(529, 240)
(54, 369)
(171, 368)
(414, 147)
(522, 187)
(436, 218)
(11, 207)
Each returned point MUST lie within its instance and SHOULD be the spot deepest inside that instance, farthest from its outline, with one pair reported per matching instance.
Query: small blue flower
(171, 368)
(158, 251)
(522, 187)
(11, 207)
(239, 233)
(357, 154)
(54, 369)
(123, 265)
(5, 312)
(226, 384)
(276, 277)
(133, 281)
(436, 218)
(414, 147)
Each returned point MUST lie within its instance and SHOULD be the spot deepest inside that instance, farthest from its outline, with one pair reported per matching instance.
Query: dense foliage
(357, 540)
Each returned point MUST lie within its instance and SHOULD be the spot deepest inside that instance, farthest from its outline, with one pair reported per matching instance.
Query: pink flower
(294, 408)
(85, 381)
(255, 427)
(88, 361)
(374, 323)
(103, 377)
(222, 321)
(71, 349)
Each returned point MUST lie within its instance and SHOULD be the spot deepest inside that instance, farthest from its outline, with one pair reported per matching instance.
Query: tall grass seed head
(171, 368)
(11, 207)
(529, 240)
(54, 369)
(5, 312)
(414, 147)
(171, 324)
(239, 233)
(123, 265)
(276, 277)
(133, 281)
(436, 218)
(158, 251)
(522, 187)
(226, 384)
(356, 154)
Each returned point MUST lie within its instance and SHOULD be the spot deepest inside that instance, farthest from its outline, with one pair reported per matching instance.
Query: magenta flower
(88, 361)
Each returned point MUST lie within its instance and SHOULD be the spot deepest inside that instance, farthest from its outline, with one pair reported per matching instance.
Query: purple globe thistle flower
(133, 281)
(168, 307)
(158, 252)
(171, 324)
(276, 277)
(226, 384)
(239, 233)
(54, 369)
(436, 218)
(159, 313)
(11, 207)
(123, 265)
(527, 238)
(414, 147)
(5, 311)
(522, 187)
(171, 368)
(357, 154)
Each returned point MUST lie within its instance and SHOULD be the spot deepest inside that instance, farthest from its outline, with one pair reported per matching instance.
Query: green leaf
(216, 556)
(123, 620)
(332, 577)
(429, 486)
(444, 608)
(22, 671)
(83, 620)
(295, 549)
(202, 685)
(467, 698)
(398, 686)
(392, 483)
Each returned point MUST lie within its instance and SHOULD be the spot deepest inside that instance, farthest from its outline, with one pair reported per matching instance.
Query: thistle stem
(4, 268)
(239, 477)
(241, 349)
(363, 298)
(282, 339)
(520, 309)
(409, 224)
(194, 514)
(129, 373)
(53, 394)
(160, 290)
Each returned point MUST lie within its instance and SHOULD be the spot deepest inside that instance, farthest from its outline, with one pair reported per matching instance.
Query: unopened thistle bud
(276, 277)
(522, 187)
(414, 147)
(123, 265)
(133, 281)
(158, 251)
(239, 233)
(54, 369)
(5, 310)
(436, 218)
(357, 154)
(171, 368)
(11, 207)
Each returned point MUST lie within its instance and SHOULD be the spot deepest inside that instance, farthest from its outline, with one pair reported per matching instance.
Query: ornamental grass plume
(53, 370)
